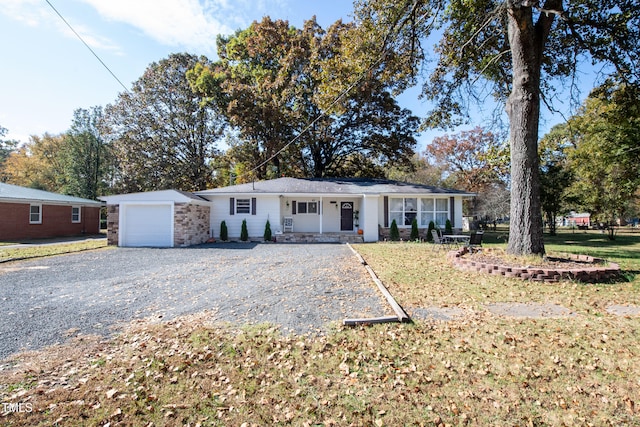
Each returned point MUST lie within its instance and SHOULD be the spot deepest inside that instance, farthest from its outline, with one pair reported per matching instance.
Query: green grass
(37, 251)
(479, 370)
(419, 276)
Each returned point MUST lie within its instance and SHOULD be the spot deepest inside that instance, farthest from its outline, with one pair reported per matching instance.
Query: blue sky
(47, 72)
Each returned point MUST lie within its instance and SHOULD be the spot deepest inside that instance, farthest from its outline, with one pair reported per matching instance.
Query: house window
(405, 209)
(427, 213)
(442, 212)
(307, 207)
(75, 214)
(35, 214)
(243, 206)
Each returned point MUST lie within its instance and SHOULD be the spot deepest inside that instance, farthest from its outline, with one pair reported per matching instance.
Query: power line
(334, 102)
(87, 46)
(384, 50)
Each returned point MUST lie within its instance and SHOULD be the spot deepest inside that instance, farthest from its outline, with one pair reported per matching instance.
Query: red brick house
(26, 213)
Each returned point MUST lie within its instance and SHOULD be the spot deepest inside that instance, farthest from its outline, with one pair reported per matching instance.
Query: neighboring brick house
(26, 213)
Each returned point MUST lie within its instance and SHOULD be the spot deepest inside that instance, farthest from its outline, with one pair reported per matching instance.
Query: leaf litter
(476, 370)
(479, 370)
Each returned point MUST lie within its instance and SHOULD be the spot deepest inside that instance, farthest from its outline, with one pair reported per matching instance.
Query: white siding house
(332, 205)
(318, 206)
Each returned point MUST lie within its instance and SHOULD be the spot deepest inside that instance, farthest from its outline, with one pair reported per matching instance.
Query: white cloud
(29, 12)
(37, 13)
(96, 41)
(186, 23)
(191, 24)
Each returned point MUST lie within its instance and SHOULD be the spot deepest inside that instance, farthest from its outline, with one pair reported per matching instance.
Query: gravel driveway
(300, 287)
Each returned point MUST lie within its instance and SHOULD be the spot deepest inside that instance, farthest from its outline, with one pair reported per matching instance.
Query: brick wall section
(596, 273)
(56, 222)
(113, 224)
(191, 226)
(405, 233)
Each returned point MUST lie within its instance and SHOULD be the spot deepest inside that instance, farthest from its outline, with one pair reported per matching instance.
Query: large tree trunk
(523, 108)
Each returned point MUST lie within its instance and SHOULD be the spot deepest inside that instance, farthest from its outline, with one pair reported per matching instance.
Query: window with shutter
(243, 206)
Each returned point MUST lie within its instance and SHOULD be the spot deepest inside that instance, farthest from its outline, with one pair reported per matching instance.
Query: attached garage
(165, 218)
(146, 225)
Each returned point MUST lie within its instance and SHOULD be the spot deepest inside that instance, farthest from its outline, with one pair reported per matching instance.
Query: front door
(346, 216)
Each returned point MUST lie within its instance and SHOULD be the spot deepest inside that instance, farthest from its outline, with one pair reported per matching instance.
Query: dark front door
(346, 216)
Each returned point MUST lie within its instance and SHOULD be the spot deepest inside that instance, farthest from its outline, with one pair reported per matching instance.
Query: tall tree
(606, 135)
(475, 160)
(87, 157)
(38, 164)
(520, 47)
(161, 133)
(6, 148)
(420, 171)
(268, 84)
(555, 174)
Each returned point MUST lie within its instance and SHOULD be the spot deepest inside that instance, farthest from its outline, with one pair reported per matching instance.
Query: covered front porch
(323, 214)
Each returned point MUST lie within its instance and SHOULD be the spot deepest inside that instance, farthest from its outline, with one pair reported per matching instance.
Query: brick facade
(191, 224)
(56, 221)
(113, 224)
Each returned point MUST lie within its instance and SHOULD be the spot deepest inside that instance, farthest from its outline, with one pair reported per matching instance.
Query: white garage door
(147, 225)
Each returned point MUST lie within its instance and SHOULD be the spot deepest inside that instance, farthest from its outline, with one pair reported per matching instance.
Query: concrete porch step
(318, 238)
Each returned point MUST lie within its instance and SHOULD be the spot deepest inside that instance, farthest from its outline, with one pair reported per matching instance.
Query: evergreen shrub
(244, 233)
(394, 233)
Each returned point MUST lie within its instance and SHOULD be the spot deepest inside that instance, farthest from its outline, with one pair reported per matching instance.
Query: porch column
(369, 217)
(321, 211)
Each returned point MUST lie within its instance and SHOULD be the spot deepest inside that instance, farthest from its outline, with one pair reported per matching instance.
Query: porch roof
(333, 186)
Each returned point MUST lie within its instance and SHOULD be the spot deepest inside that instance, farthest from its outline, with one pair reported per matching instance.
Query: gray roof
(17, 194)
(177, 196)
(331, 186)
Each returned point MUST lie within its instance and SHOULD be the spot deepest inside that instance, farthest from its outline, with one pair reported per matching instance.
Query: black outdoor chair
(475, 241)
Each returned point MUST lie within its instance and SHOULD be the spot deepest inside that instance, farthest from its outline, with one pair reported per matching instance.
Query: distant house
(328, 208)
(580, 220)
(26, 213)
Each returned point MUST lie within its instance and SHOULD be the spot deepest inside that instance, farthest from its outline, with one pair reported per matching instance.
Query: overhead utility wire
(87, 46)
(383, 53)
(335, 101)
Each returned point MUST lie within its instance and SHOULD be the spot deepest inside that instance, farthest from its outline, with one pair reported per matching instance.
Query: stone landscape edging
(546, 274)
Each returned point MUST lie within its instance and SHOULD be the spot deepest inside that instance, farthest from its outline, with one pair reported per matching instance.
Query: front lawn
(28, 251)
(418, 275)
(479, 370)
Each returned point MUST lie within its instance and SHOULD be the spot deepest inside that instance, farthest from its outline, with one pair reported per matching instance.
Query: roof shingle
(331, 186)
(15, 193)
